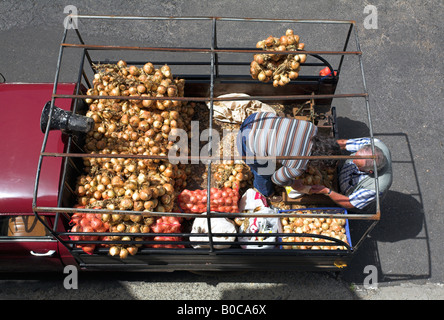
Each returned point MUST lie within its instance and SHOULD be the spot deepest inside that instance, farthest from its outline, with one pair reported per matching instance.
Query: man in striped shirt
(266, 135)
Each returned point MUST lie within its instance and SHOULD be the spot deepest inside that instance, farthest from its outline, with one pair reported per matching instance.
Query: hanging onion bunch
(279, 68)
(334, 228)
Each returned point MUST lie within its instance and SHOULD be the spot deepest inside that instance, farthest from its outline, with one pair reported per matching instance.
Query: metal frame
(214, 64)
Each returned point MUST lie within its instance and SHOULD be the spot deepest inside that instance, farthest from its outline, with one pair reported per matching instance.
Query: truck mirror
(64, 120)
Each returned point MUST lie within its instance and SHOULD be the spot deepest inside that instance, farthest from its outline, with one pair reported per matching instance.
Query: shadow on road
(398, 246)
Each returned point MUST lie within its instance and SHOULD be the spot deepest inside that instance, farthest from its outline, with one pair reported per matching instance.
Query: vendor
(265, 134)
(356, 177)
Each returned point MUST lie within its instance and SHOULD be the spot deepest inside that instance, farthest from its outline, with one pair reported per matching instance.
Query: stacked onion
(334, 228)
(279, 68)
(233, 175)
(315, 175)
(133, 127)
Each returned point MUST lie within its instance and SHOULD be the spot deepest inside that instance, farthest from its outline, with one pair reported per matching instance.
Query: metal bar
(210, 137)
(352, 25)
(206, 158)
(87, 53)
(114, 17)
(303, 213)
(69, 142)
(45, 140)
(198, 63)
(369, 118)
(367, 107)
(203, 50)
(204, 99)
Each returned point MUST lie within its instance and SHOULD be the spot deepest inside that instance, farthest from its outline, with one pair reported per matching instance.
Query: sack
(237, 111)
(260, 225)
(218, 225)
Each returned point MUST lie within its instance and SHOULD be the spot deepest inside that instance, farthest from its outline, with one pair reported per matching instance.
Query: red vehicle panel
(24, 243)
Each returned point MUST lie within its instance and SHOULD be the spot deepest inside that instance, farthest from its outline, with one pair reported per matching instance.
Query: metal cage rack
(206, 88)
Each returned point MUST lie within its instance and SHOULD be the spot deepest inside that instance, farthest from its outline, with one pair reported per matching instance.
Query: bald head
(367, 164)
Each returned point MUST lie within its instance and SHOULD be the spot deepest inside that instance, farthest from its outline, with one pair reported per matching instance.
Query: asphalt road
(402, 60)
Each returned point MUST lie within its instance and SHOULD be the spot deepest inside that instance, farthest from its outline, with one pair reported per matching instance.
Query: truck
(46, 154)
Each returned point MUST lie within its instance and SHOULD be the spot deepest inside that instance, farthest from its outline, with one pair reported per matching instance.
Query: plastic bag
(238, 110)
(218, 225)
(252, 201)
(260, 225)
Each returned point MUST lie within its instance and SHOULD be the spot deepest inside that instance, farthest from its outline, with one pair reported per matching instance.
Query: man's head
(324, 146)
(366, 165)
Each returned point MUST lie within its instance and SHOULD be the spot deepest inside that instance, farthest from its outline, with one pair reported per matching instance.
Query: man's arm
(338, 198)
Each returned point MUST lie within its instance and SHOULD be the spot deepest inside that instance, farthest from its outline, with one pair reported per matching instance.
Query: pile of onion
(279, 68)
(317, 175)
(133, 126)
(233, 175)
(334, 228)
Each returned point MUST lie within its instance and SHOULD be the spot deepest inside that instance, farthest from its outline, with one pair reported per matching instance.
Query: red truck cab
(25, 243)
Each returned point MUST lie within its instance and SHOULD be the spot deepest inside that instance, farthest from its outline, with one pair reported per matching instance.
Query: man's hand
(319, 189)
(300, 187)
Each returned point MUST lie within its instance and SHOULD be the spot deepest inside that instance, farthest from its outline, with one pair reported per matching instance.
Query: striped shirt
(350, 176)
(271, 135)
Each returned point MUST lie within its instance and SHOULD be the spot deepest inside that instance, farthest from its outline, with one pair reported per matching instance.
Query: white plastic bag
(260, 224)
(252, 200)
(218, 225)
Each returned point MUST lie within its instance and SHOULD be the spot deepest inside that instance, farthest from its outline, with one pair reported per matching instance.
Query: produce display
(279, 68)
(334, 228)
(142, 127)
(133, 127)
